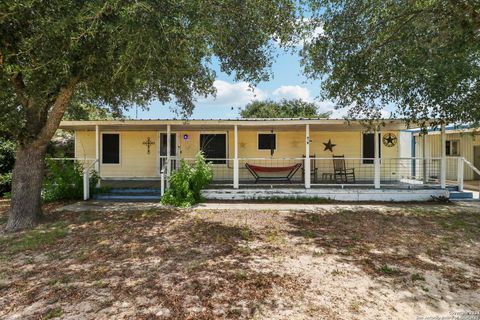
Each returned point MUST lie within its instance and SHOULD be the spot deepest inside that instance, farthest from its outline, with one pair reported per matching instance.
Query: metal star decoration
(389, 140)
(329, 145)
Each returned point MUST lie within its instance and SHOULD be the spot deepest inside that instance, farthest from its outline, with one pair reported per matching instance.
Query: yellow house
(298, 155)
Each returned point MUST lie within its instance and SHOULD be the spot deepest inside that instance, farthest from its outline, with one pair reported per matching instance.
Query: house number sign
(148, 143)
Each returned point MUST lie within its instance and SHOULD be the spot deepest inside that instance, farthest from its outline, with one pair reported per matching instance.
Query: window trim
(266, 132)
(379, 143)
(226, 145)
(119, 148)
(458, 148)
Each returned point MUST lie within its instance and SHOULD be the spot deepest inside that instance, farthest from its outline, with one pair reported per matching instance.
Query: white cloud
(292, 92)
(233, 94)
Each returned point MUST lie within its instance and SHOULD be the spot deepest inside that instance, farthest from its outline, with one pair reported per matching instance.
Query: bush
(7, 160)
(64, 181)
(187, 183)
(5, 183)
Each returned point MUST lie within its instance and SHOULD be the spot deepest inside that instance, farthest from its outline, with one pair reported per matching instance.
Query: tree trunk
(26, 205)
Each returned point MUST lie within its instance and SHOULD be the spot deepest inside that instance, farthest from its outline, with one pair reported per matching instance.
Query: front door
(476, 161)
(163, 149)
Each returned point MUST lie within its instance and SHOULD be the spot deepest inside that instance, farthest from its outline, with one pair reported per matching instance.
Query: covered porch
(256, 154)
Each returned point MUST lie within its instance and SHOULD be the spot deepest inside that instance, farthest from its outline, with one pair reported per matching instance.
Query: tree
(422, 56)
(119, 53)
(295, 108)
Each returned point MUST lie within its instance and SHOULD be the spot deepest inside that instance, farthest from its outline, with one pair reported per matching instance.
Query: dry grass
(335, 264)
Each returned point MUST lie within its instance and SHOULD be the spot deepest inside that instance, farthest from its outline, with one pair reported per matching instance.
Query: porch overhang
(293, 124)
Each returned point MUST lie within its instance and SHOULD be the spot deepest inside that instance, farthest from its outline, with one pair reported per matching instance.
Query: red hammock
(271, 169)
(289, 172)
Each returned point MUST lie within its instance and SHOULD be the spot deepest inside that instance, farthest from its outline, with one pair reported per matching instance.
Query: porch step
(130, 195)
(461, 195)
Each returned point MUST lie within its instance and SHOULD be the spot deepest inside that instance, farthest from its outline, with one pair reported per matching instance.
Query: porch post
(235, 159)
(460, 173)
(169, 147)
(376, 145)
(307, 174)
(424, 159)
(443, 161)
(97, 153)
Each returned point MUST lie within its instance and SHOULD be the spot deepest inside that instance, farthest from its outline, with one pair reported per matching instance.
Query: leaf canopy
(294, 108)
(119, 53)
(422, 56)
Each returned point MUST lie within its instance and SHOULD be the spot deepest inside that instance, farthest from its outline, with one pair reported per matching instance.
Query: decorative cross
(148, 143)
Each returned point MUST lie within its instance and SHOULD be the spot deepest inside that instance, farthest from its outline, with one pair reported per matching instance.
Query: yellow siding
(135, 162)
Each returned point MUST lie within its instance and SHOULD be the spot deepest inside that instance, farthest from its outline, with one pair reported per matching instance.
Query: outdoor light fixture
(185, 137)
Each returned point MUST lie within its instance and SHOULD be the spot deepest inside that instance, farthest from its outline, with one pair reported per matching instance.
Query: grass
(54, 313)
(417, 277)
(36, 238)
(386, 269)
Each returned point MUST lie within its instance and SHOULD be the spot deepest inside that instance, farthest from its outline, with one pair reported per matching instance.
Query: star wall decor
(389, 140)
(329, 145)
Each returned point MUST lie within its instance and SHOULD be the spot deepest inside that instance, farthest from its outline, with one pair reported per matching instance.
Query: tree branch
(19, 86)
(56, 113)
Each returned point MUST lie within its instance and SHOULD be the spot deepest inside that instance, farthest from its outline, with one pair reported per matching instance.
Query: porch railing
(362, 172)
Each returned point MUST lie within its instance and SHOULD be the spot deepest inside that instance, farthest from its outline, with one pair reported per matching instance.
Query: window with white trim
(452, 147)
(111, 148)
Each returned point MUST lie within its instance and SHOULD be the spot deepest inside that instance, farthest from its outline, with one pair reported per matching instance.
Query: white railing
(348, 171)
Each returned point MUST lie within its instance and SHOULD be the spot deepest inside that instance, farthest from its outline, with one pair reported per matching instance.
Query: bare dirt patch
(330, 263)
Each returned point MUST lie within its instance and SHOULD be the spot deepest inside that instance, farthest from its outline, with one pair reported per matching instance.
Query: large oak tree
(422, 56)
(118, 53)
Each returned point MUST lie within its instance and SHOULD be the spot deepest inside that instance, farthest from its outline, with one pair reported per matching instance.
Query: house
(256, 158)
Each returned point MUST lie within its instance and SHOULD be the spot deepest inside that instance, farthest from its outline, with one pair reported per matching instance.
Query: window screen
(110, 148)
(267, 141)
(369, 147)
(214, 146)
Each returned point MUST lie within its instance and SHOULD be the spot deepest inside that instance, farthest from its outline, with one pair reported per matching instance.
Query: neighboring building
(273, 153)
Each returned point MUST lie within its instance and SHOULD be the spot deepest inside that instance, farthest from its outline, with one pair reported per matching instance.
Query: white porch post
(424, 159)
(97, 153)
(235, 159)
(169, 147)
(376, 161)
(443, 161)
(460, 173)
(307, 174)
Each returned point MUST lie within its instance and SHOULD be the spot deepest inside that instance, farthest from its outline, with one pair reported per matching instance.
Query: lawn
(337, 262)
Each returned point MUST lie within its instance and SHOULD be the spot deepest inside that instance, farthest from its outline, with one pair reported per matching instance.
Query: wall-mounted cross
(148, 143)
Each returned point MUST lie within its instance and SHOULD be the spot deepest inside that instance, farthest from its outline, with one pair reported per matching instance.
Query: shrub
(187, 183)
(7, 160)
(64, 180)
(5, 183)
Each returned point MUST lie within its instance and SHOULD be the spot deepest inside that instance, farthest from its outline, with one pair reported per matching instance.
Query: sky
(286, 81)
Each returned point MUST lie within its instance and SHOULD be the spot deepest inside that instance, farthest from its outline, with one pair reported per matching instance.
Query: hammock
(289, 172)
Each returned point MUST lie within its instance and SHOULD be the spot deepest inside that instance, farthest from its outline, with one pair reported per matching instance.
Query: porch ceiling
(257, 124)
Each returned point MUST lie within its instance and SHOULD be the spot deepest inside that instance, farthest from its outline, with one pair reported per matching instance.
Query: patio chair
(341, 171)
(313, 168)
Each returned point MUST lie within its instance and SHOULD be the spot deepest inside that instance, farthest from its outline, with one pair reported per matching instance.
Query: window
(368, 147)
(214, 146)
(452, 147)
(267, 141)
(111, 148)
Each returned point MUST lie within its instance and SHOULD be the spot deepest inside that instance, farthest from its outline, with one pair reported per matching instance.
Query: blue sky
(287, 81)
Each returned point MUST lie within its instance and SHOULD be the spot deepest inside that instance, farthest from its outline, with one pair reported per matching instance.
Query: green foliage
(121, 53)
(7, 160)
(64, 180)
(294, 108)
(421, 56)
(187, 182)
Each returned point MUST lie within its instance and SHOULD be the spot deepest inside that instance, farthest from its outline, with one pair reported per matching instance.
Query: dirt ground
(390, 262)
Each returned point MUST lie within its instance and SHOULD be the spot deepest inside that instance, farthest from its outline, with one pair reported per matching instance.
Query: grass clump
(36, 238)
